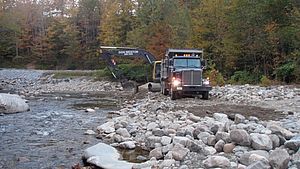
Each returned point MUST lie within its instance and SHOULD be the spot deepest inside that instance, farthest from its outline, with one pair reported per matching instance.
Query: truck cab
(182, 73)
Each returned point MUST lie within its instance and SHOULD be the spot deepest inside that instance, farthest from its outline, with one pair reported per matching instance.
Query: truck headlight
(206, 81)
(176, 82)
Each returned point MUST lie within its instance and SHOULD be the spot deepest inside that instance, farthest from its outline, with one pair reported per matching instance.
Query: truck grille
(191, 77)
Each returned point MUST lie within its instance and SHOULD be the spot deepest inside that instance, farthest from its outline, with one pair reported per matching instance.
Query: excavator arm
(107, 54)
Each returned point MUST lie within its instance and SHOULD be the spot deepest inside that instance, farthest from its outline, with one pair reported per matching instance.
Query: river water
(51, 134)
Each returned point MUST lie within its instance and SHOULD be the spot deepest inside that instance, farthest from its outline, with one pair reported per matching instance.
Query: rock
(255, 157)
(194, 118)
(89, 132)
(181, 140)
(259, 165)
(108, 127)
(167, 163)
(203, 137)
(296, 159)
(228, 148)
(23, 159)
(241, 166)
(150, 141)
(276, 129)
(223, 136)
(165, 140)
(158, 132)
(196, 146)
(238, 118)
(12, 103)
(244, 159)
(279, 159)
(211, 140)
(128, 144)
(275, 140)
(216, 161)
(90, 110)
(123, 132)
(221, 117)
(293, 143)
(209, 150)
(151, 126)
(105, 156)
(157, 153)
(241, 137)
(179, 152)
(219, 145)
(261, 141)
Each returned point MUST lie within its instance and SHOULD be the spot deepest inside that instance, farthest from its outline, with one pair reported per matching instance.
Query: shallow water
(51, 134)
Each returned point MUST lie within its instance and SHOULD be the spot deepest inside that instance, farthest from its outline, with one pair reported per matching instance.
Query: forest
(245, 41)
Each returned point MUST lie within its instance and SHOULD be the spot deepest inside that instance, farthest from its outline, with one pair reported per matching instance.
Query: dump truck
(182, 74)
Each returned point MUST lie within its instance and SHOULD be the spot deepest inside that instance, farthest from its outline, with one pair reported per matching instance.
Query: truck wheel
(173, 95)
(163, 89)
(205, 95)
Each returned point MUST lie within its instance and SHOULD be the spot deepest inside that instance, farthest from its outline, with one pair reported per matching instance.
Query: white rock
(165, 140)
(240, 137)
(89, 132)
(107, 127)
(90, 110)
(181, 140)
(11, 103)
(261, 141)
(157, 153)
(216, 161)
(128, 144)
(179, 152)
(279, 159)
(151, 126)
(123, 132)
(209, 150)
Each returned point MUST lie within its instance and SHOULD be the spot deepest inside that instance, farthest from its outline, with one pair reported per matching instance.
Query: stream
(51, 134)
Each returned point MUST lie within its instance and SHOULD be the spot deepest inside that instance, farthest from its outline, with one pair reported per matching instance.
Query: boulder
(238, 118)
(259, 165)
(151, 126)
(89, 132)
(108, 127)
(261, 141)
(223, 136)
(150, 141)
(203, 136)
(105, 156)
(275, 140)
(179, 152)
(221, 117)
(279, 159)
(216, 162)
(165, 140)
(278, 130)
(12, 103)
(211, 140)
(255, 157)
(219, 145)
(196, 146)
(240, 137)
(128, 144)
(293, 143)
(157, 153)
(228, 148)
(181, 140)
(244, 158)
(209, 150)
(167, 163)
(123, 132)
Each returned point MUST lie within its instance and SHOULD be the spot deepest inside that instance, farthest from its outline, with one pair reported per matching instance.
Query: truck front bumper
(192, 89)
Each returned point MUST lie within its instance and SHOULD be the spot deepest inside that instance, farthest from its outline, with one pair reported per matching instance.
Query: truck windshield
(187, 63)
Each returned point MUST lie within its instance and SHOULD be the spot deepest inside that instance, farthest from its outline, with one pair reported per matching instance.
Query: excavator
(108, 53)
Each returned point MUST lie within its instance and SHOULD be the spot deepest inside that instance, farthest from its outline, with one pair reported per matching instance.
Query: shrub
(215, 77)
(265, 81)
(286, 72)
(242, 77)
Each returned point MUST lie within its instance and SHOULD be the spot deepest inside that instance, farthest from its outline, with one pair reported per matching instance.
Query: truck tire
(205, 95)
(164, 91)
